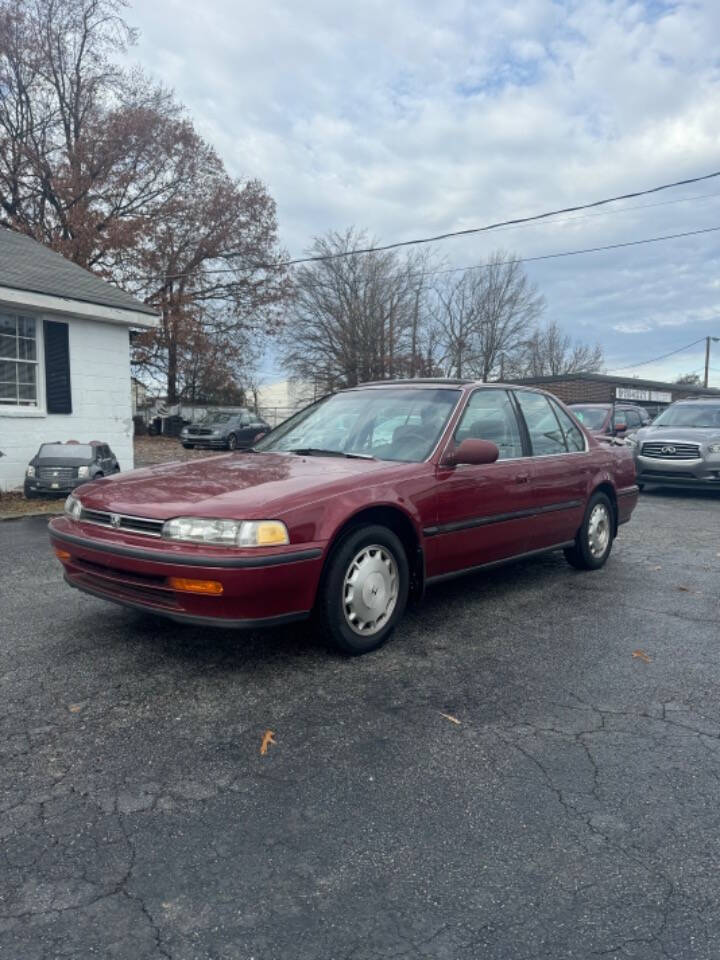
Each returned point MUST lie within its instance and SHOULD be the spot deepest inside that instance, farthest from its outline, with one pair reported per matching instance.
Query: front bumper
(35, 485)
(212, 443)
(258, 589)
(698, 472)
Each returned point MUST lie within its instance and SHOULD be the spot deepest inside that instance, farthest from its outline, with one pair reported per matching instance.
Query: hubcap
(599, 530)
(370, 590)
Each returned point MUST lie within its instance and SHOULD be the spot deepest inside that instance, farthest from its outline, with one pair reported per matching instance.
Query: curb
(23, 516)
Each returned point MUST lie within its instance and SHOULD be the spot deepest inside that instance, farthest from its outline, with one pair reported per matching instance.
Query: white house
(279, 400)
(64, 356)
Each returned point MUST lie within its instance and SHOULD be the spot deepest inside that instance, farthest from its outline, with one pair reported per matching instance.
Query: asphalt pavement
(529, 769)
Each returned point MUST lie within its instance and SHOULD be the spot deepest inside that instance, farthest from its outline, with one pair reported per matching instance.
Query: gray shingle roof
(26, 264)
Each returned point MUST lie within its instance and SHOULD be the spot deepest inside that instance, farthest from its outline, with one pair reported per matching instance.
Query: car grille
(119, 521)
(57, 474)
(671, 451)
(200, 432)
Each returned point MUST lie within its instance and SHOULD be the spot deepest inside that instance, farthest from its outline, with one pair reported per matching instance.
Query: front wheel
(594, 540)
(232, 442)
(365, 590)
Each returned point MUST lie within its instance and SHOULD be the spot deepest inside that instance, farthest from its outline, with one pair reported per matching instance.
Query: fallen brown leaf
(75, 707)
(268, 738)
(450, 718)
(684, 589)
(641, 655)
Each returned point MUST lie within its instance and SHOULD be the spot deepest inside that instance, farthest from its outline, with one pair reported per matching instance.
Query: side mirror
(473, 451)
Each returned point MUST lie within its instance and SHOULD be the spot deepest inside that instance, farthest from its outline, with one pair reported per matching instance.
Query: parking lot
(530, 769)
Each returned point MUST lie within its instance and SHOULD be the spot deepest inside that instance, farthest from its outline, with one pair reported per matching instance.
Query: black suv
(60, 467)
(234, 430)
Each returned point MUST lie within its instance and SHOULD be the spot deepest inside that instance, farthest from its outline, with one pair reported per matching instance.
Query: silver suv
(682, 446)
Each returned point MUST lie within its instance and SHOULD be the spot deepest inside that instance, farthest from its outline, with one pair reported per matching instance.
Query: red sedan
(349, 508)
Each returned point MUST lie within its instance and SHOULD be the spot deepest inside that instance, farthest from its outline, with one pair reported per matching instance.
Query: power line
(467, 232)
(574, 253)
(644, 363)
(614, 213)
(544, 256)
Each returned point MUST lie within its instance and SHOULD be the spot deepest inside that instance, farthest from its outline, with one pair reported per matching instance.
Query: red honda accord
(350, 507)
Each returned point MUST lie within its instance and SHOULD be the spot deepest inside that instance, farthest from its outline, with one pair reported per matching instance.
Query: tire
(188, 446)
(232, 442)
(641, 487)
(375, 556)
(594, 539)
(29, 493)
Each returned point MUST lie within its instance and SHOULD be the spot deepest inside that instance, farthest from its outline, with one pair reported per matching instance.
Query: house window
(18, 361)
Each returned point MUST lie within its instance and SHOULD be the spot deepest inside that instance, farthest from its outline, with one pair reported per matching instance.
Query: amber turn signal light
(61, 554)
(208, 587)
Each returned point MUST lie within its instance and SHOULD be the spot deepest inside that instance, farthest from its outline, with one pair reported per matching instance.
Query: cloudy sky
(415, 117)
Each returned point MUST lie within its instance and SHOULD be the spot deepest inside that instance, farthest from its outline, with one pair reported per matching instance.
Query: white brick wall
(100, 381)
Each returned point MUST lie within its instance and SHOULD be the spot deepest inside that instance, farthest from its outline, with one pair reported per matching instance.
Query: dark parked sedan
(225, 431)
(60, 467)
(350, 507)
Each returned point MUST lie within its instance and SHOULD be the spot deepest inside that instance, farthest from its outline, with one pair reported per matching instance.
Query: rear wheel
(365, 590)
(594, 540)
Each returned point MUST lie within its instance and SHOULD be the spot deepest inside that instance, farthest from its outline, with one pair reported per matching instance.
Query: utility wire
(573, 253)
(502, 223)
(463, 233)
(644, 363)
(614, 213)
(545, 256)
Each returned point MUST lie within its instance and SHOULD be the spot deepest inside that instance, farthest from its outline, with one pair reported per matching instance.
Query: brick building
(604, 388)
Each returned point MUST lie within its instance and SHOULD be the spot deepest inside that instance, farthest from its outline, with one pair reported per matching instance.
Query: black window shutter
(57, 368)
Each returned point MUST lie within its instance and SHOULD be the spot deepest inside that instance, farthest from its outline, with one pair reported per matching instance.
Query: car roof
(443, 383)
(619, 405)
(692, 400)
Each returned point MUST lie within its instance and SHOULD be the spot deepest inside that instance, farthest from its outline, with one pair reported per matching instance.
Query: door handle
(522, 478)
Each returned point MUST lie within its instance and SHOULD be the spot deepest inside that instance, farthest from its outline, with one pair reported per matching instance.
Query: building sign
(635, 393)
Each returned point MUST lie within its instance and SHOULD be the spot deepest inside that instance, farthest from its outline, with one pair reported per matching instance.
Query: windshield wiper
(319, 452)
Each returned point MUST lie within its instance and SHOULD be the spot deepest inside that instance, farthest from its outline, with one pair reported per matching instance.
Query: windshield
(67, 451)
(690, 415)
(390, 423)
(218, 418)
(591, 417)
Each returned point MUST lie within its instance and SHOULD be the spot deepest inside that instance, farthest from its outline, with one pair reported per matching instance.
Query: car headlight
(73, 507)
(83, 471)
(229, 533)
(714, 448)
(30, 472)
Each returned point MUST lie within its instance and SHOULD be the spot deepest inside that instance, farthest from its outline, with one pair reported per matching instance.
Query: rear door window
(573, 436)
(546, 437)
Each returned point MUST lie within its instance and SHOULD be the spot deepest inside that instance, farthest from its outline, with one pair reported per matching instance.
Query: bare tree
(693, 379)
(358, 318)
(486, 315)
(550, 352)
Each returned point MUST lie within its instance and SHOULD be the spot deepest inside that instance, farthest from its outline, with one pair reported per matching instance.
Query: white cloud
(414, 117)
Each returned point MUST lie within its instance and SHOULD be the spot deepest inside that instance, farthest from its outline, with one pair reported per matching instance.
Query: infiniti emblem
(115, 520)
(668, 450)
